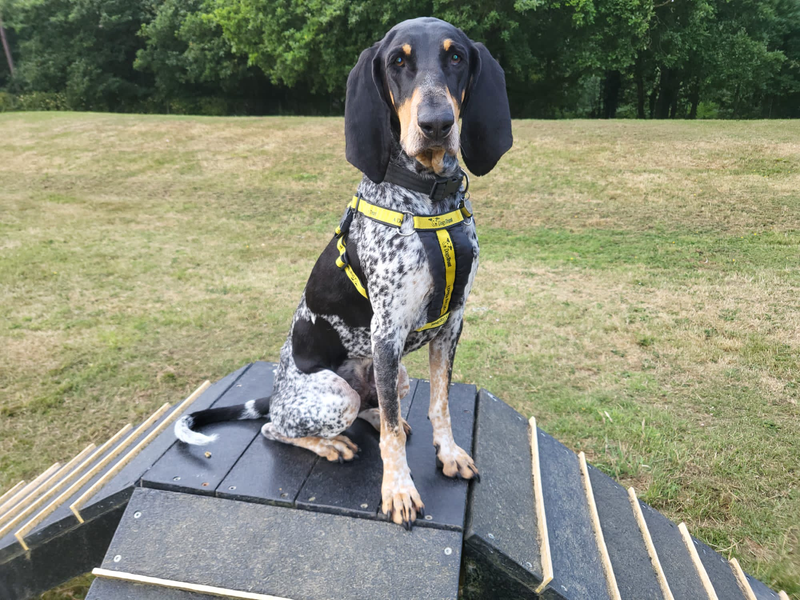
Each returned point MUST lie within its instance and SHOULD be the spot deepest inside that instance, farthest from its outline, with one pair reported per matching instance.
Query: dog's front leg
(401, 501)
(454, 460)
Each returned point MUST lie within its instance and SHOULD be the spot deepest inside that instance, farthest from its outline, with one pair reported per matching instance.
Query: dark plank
(289, 553)
(673, 556)
(502, 532)
(445, 498)
(633, 569)
(719, 572)
(761, 591)
(352, 488)
(109, 589)
(268, 472)
(578, 572)
(187, 468)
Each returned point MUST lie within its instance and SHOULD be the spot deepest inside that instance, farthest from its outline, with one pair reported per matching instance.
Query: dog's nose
(436, 123)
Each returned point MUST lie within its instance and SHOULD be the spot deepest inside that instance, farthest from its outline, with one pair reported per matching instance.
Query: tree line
(563, 58)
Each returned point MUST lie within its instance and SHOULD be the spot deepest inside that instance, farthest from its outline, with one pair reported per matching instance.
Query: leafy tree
(186, 53)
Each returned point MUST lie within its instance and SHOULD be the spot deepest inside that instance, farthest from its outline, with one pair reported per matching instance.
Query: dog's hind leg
(312, 412)
(339, 448)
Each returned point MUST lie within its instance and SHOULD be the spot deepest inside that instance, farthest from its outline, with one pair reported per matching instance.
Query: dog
(397, 274)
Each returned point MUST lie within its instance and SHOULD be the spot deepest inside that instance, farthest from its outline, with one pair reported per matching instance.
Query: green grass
(638, 292)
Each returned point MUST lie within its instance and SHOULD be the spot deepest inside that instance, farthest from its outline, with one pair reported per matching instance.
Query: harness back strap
(448, 249)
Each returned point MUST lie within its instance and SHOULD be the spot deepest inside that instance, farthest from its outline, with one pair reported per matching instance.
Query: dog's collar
(436, 190)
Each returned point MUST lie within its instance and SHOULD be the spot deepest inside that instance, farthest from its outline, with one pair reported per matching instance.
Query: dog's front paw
(455, 462)
(401, 502)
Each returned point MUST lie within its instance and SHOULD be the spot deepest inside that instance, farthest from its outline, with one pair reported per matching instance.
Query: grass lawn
(639, 292)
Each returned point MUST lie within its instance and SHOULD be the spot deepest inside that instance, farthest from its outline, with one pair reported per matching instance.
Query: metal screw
(137, 514)
(428, 517)
(448, 551)
(176, 478)
(312, 498)
(238, 385)
(365, 505)
(117, 558)
(205, 484)
(284, 495)
(490, 536)
(528, 565)
(232, 487)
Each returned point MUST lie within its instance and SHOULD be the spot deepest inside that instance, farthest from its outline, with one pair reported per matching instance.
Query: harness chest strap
(432, 229)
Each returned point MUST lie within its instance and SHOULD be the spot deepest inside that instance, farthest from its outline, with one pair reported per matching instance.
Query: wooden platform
(246, 517)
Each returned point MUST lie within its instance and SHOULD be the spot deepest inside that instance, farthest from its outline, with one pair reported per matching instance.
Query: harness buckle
(444, 186)
(465, 206)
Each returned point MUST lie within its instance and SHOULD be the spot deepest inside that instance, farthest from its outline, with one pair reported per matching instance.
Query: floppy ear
(366, 117)
(485, 117)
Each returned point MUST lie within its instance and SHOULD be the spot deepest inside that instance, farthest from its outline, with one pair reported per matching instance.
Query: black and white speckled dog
(342, 357)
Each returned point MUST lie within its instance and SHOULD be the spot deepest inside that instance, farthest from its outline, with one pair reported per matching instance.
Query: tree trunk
(667, 94)
(654, 95)
(694, 97)
(611, 86)
(6, 49)
(639, 74)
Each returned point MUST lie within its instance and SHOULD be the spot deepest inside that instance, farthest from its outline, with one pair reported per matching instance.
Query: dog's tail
(185, 427)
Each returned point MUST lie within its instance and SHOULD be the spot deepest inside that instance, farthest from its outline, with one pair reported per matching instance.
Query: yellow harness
(438, 224)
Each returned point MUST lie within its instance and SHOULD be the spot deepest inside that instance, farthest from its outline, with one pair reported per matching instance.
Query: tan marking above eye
(407, 49)
(447, 44)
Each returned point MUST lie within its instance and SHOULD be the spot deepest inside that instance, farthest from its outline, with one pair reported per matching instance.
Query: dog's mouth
(433, 158)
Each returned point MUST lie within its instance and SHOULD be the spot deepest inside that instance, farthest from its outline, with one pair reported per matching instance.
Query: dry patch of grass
(638, 292)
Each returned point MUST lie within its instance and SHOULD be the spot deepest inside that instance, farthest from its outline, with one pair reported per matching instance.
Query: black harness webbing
(446, 243)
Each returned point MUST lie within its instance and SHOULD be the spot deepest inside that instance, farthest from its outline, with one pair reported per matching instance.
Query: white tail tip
(184, 432)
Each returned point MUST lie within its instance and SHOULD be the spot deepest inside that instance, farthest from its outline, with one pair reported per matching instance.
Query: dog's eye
(455, 59)
(400, 61)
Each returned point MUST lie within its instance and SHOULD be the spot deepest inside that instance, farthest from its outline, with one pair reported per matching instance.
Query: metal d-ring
(466, 178)
(407, 218)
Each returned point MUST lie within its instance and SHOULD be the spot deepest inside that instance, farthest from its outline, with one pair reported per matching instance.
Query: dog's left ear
(485, 117)
(367, 130)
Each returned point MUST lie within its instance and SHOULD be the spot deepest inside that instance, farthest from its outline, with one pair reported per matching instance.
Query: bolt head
(448, 551)
(117, 558)
(137, 514)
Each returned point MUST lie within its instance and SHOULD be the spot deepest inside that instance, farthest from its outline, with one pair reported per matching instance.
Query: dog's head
(413, 86)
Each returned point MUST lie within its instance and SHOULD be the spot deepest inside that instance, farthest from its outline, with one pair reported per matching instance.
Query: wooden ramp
(249, 518)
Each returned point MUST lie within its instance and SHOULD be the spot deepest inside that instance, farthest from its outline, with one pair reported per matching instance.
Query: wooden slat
(76, 485)
(741, 579)
(62, 476)
(75, 506)
(33, 485)
(13, 489)
(11, 492)
(648, 542)
(613, 588)
(698, 564)
(180, 585)
(541, 517)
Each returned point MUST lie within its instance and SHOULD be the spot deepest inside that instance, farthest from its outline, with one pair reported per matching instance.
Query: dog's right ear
(367, 130)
